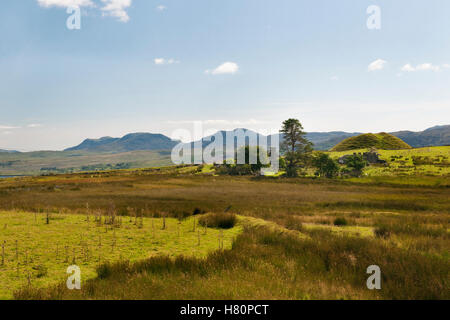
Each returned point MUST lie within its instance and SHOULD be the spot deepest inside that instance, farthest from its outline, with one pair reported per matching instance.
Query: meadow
(36, 253)
(302, 238)
(429, 161)
(57, 162)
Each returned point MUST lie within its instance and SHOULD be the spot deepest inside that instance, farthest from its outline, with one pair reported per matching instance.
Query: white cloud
(225, 68)
(161, 8)
(334, 78)
(162, 61)
(421, 67)
(446, 65)
(377, 65)
(116, 8)
(408, 68)
(34, 125)
(8, 127)
(427, 67)
(65, 3)
(112, 8)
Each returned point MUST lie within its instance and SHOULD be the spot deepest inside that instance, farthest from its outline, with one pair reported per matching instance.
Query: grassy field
(429, 161)
(309, 238)
(44, 251)
(54, 162)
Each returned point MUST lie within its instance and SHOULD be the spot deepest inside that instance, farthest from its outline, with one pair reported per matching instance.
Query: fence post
(3, 252)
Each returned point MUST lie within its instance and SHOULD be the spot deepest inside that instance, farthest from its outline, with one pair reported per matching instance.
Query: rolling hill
(129, 142)
(435, 136)
(384, 141)
(8, 151)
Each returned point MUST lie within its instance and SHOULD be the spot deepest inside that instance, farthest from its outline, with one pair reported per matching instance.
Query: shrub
(326, 167)
(382, 232)
(198, 211)
(218, 220)
(356, 163)
(340, 222)
(104, 271)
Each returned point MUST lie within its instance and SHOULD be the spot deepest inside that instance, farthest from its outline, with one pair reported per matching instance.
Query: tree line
(296, 156)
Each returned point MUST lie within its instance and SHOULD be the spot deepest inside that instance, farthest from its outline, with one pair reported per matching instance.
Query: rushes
(218, 220)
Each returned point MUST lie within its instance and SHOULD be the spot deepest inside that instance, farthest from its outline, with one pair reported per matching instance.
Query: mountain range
(8, 151)
(435, 136)
(129, 142)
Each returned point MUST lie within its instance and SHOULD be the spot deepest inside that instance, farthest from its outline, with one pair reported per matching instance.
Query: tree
(262, 159)
(325, 165)
(296, 148)
(356, 163)
(253, 160)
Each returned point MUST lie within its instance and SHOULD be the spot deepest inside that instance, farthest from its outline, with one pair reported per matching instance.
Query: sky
(158, 65)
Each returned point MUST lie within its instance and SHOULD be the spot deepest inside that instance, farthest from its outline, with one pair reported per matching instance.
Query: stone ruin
(372, 157)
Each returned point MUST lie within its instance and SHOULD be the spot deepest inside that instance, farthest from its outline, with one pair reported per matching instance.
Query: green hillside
(384, 141)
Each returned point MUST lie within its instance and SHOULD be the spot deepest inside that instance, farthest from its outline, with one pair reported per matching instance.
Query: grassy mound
(384, 141)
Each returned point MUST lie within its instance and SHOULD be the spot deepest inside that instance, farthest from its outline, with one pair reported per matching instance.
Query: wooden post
(194, 225)
(198, 237)
(164, 222)
(3, 253)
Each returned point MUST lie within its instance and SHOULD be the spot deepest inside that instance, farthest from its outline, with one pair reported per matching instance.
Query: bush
(104, 271)
(198, 211)
(382, 232)
(326, 167)
(340, 222)
(218, 220)
(356, 164)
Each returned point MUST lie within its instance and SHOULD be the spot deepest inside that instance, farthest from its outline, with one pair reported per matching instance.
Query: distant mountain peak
(129, 142)
(434, 136)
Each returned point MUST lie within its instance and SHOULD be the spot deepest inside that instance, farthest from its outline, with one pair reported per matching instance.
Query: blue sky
(155, 65)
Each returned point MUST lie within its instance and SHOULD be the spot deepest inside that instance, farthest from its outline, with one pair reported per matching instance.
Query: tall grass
(324, 266)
